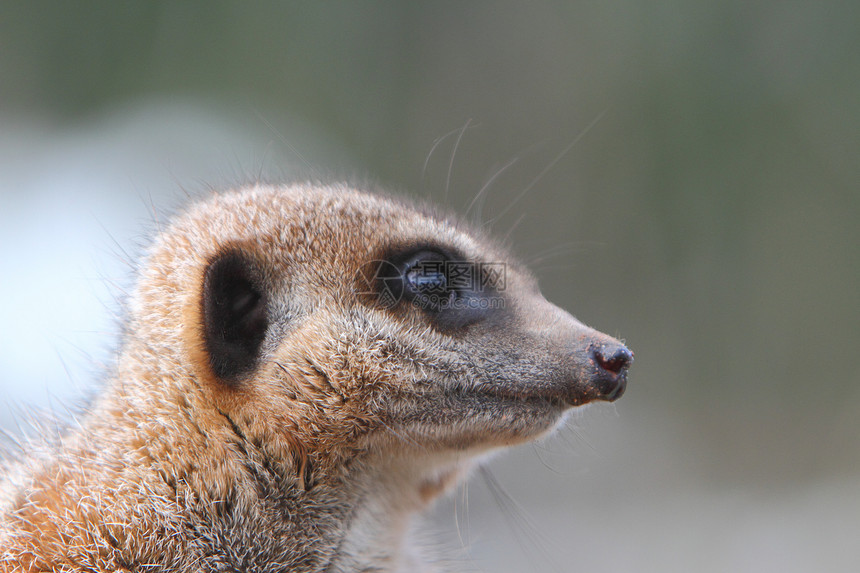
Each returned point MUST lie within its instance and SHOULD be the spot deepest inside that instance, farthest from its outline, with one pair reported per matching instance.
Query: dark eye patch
(442, 285)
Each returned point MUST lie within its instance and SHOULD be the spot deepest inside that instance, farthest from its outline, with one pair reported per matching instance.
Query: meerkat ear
(234, 315)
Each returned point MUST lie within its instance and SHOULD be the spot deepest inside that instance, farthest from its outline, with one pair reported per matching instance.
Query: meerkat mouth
(548, 400)
(604, 386)
(544, 396)
(552, 398)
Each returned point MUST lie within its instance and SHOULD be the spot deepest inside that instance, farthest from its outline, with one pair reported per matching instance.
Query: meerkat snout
(303, 368)
(613, 360)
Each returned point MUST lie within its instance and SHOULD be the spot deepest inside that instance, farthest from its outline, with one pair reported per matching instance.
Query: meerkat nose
(612, 361)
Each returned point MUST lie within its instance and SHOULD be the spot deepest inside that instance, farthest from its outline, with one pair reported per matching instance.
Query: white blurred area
(619, 490)
(78, 203)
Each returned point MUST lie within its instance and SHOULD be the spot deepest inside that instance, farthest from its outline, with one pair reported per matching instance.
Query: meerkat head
(332, 322)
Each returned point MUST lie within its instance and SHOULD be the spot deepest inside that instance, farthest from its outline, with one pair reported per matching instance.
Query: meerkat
(303, 370)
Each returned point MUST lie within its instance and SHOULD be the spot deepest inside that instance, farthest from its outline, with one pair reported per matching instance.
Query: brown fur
(354, 418)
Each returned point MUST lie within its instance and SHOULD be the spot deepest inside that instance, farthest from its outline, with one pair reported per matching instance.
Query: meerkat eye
(427, 278)
(425, 281)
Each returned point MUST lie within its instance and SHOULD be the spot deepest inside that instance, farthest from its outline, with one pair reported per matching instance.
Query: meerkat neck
(398, 488)
(342, 515)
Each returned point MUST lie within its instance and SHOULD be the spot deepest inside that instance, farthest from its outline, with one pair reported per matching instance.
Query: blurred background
(683, 175)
